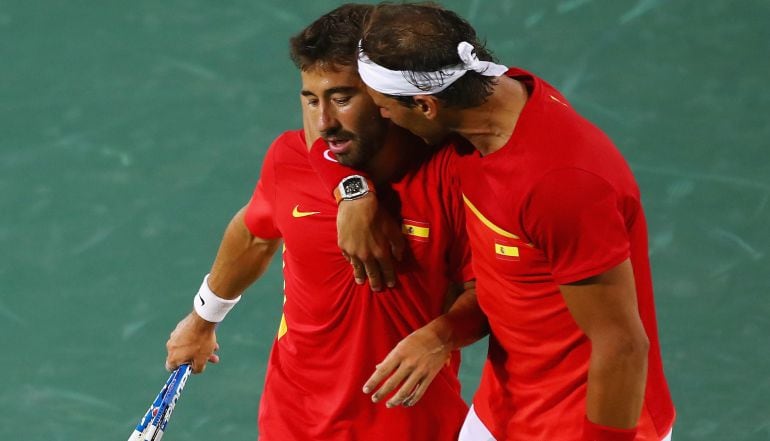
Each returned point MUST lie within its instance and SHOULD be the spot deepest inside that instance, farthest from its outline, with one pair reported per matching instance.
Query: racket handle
(175, 393)
(160, 420)
(148, 416)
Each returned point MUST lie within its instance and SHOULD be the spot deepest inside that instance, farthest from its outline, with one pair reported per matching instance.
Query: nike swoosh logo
(203, 302)
(297, 213)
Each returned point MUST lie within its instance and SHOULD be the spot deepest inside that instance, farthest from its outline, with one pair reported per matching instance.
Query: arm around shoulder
(369, 237)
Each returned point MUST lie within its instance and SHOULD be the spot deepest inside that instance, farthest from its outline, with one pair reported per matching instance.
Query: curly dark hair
(332, 40)
(423, 37)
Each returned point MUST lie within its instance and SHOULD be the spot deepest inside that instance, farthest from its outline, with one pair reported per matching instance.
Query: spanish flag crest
(506, 251)
(416, 230)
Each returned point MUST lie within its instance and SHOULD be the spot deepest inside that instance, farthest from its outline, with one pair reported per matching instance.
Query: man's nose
(327, 120)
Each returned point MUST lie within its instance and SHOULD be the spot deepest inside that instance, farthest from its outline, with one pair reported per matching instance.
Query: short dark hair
(332, 40)
(423, 37)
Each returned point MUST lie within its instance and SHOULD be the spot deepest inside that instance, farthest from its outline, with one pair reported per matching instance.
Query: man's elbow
(623, 345)
(636, 346)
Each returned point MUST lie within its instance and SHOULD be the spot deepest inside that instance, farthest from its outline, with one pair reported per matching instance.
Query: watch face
(353, 186)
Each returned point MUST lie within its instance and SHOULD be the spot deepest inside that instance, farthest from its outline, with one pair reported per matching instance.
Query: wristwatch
(353, 187)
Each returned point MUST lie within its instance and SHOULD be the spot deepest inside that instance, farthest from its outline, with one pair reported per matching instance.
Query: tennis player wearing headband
(557, 229)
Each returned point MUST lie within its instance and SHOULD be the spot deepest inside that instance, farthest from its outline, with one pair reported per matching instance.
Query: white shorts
(474, 430)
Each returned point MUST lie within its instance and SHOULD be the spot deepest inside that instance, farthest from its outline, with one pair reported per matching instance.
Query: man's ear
(428, 105)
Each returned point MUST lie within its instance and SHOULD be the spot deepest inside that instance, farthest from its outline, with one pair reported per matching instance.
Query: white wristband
(211, 307)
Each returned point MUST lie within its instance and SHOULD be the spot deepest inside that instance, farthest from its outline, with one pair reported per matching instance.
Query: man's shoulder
(290, 139)
(434, 181)
(439, 163)
(289, 146)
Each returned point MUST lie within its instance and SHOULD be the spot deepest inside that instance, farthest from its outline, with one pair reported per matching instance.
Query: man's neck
(489, 126)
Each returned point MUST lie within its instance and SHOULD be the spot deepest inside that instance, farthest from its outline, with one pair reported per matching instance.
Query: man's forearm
(605, 308)
(616, 381)
(241, 259)
(464, 323)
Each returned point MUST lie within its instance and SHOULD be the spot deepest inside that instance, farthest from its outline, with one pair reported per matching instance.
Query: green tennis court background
(131, 131)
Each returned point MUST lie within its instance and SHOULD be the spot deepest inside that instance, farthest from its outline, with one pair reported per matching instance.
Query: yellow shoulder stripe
(486, 221)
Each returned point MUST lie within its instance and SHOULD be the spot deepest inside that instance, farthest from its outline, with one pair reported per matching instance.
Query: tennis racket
(153, 424)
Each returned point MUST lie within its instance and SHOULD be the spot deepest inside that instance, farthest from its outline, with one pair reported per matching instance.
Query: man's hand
(413, 364)
(370, 239)
(193, 341)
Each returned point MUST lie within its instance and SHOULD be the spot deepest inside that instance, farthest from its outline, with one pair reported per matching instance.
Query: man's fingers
(198, 364)
(406, 391)
(398, 249)
(394, 235)
(391, 383)
(417, 394)
(171, 366)
(359, 272)
(382, 372)
(397, 242)
(419, 391)
(191, 343)
(388, 272)
(374, 274)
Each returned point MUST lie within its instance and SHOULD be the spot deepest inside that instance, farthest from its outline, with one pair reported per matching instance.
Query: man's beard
(361, 151)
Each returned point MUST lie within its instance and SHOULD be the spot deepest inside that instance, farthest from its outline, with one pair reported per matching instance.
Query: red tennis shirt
(555, 205)
(333, 331)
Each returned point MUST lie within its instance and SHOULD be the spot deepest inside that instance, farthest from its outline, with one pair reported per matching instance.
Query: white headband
(402, 82)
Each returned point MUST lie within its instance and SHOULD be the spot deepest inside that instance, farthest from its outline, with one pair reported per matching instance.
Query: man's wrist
(211, 307)
(199, 324)
(597, 432)
(353, 187)
(443, 328)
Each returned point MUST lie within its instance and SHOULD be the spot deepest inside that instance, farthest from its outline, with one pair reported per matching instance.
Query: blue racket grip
(160, 411)
(173, 394)
(152, 411)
